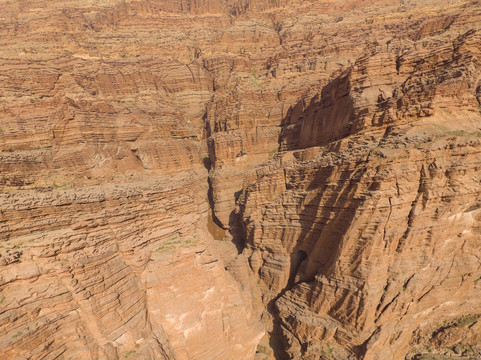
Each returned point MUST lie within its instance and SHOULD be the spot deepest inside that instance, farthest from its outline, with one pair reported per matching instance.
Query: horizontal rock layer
(85, 275)
(341, 139)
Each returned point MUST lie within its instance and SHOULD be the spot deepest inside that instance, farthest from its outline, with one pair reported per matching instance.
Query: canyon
(240, 179)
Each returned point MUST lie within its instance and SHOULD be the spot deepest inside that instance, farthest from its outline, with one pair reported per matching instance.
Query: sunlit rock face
(240, 179)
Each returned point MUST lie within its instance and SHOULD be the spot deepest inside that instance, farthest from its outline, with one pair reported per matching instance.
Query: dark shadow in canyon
(214, 226)
(330, 116)
(236, 228)
(319, 243)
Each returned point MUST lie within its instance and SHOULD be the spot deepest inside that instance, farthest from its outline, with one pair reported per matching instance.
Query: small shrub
(42, 148)
(55, 186)
(174, 242)
(272, 152)
(253, 79)
(466, 320)
(131, 352)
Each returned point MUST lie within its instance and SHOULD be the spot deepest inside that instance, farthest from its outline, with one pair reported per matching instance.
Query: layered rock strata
(367, 246)
(105, 272)
(332, 145)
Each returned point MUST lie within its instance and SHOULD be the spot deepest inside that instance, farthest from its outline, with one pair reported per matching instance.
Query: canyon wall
(240, 179)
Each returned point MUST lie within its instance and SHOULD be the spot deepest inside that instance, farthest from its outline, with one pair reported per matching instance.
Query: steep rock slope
(340, 139)
(105, 246)
(104, 272)
(368, 246)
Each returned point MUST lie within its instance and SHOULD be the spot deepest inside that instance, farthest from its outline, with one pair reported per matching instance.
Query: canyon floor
(240, 179)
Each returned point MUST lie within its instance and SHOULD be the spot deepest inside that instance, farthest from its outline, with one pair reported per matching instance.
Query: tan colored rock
(342, 142)
(77, 282)
(366, 240)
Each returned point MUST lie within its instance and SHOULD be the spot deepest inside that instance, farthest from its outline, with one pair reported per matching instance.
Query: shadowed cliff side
(333, 146)
(365, 187)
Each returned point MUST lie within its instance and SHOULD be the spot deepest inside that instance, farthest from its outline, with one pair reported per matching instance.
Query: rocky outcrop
(353, 262)
(366, 242)
(104, 210)
(177, 178)
(104, 272)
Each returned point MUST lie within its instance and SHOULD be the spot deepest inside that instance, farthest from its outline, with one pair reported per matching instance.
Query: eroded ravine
(240, 180)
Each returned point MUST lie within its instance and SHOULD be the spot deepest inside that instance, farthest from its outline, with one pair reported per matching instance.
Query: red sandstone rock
(342, 141)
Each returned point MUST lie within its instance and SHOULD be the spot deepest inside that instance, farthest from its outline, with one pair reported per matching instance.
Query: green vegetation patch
(131, 352)
(460, 133)
(48, 148)
(254, 80)
(56, 186)
(466, 320)
(174, 243)
(274, 151)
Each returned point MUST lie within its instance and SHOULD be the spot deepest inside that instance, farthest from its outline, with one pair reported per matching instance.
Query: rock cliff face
(240, 179)
(109, 271)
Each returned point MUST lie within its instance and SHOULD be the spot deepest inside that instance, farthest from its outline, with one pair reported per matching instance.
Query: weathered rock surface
(104, 272)
(334, 146)
(368, 246)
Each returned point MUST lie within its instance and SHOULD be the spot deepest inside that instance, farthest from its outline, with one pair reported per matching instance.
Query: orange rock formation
(240, 179)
